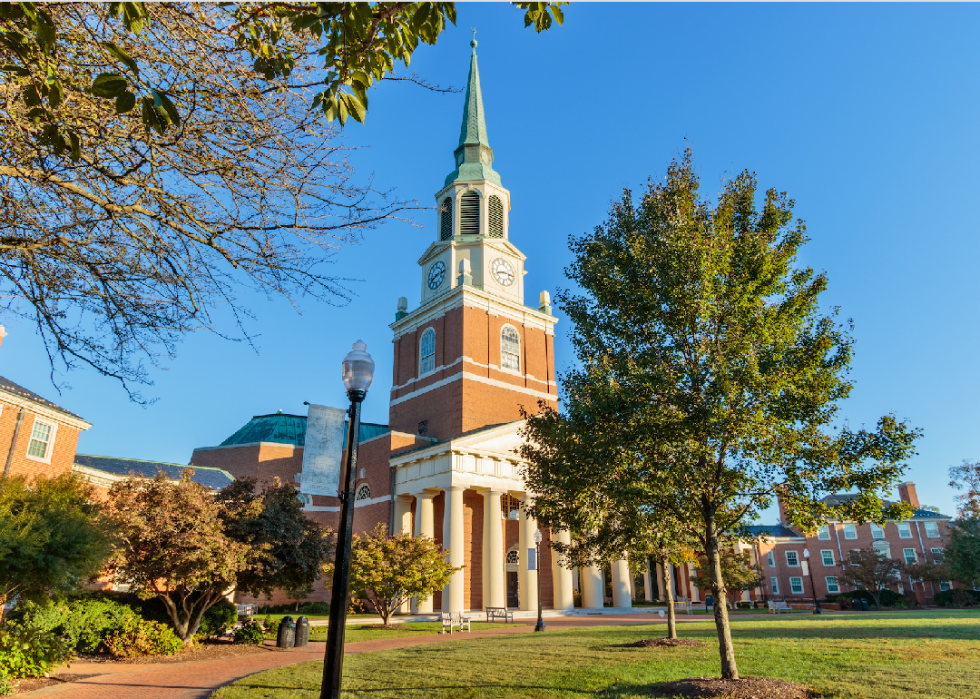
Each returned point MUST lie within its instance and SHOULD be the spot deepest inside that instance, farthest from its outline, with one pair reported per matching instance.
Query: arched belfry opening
(446, 224)
(496, 216)
(469, 213)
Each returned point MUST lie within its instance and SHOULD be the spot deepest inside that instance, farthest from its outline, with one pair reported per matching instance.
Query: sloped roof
(214, 478)
(773, 531)
(17, 389)
(838, 498)
(280, 428)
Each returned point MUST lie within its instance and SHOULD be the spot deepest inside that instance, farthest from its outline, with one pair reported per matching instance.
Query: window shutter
(496, 217)
(446, 229)
(469, 214)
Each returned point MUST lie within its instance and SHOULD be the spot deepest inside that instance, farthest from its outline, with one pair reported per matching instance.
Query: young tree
(961, 556)
(393, 569)
(286, 549)
(173, 546)
(736, 570)
(52, 537)
(966, 477)
(868, 569)
(704, 354)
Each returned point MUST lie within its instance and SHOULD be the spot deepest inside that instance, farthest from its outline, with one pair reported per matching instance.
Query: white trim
(357, 503)
(802, 589)
(43, 410)
(472, 377)
(49, 445)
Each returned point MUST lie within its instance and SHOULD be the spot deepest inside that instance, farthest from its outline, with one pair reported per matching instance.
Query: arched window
(469, 213)
(510, 348)
(513, 557)
(363, 492)
(496, 217)
(427, 351)
(446, 224)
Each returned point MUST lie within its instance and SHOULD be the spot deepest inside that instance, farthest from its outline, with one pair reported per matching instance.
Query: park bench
(494, 613)
(246, 611)
(451, 619)
(777, 607)
(683, 603)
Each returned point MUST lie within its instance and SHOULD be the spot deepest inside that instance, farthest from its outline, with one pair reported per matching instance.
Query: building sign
(806, 568)
(532, 559)
(323, 451)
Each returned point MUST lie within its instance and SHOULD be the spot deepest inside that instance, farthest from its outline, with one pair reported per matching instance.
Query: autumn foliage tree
(736, 570)
(709, 378)
(391, 569)
(871, 570)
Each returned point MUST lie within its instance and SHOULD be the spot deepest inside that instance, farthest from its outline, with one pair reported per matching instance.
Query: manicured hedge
(958, 598)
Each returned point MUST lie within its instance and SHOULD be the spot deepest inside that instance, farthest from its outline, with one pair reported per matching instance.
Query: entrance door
(513, 590)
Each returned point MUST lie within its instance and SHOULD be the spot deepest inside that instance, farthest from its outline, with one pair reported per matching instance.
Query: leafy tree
(286, 549)
(173, 546)
(869, 569)
(966, 476)
(52, 537)
(709, 379)
(736, 570)
(961, 554)
(393, 569)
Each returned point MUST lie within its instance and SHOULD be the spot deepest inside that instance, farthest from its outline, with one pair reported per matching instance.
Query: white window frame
(427, 362)
(796, 558)
(905, 533)
(936, 551)
(824, 530)
(792, 586)
(934, 532)
(823, 557)
(905, 556)
(775, 586)
(945, 586)
(877, 531)
(833, 588)
(49, 447)
(772, 559)
(850, 528)
(517, 335)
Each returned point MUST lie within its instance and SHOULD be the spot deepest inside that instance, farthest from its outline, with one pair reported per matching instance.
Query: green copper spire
(474, 156)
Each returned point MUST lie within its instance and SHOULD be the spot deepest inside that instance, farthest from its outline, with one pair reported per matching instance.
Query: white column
(424, 526)
(528, 578)
(592, 585)
(621, 584)
(561, 577)
(402, 524)
(647, 582)
(661, 582)
(575, 579)
(695, 597)
(452, 532)
(494, 594)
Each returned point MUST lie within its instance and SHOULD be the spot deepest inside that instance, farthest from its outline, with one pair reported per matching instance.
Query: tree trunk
(669, 594)
(729, 670)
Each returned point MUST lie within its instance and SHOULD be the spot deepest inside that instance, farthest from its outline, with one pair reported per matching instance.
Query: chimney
(782, 517)
(3, 334)
(906, 491)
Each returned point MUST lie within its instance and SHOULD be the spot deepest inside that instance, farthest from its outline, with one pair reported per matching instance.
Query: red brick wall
(263, 461)
(62, 456)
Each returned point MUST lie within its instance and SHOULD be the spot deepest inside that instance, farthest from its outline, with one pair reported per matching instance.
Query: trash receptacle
(286, 638)
(864, 605)
(302, 632)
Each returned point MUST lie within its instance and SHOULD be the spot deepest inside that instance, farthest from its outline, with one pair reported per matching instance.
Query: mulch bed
(31, 684)
(744, 688)
(209, 650)
(665, 643)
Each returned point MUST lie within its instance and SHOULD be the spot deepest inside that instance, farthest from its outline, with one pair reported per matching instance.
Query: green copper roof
(474, 156)
(280, 428)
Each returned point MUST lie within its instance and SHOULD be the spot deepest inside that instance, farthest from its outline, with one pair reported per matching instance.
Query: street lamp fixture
(813, 589)
(537, 563)
(358, 372)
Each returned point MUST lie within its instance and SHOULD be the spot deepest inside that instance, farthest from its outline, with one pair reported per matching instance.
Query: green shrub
(315, 608)
(249, 633)
(27, 652)
(82, 623)
(6, 686)
(218, 619)
(957, 598)
(141, 637)
(888, 598)
(269, 623)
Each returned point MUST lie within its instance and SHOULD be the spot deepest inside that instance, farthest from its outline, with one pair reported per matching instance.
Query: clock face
(502, 272)
(437, 273)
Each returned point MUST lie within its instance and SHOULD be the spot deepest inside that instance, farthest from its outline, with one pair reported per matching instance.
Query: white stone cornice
(96, 477)
(479, 379)
(43, 410)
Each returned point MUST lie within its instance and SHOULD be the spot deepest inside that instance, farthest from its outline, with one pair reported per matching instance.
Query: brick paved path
(197, 679)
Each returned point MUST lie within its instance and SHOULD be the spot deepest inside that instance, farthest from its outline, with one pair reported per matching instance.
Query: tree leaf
(125, 102)
(76, 146)
(13, 68)
(161, 101)
(121, 55)
(109, 85)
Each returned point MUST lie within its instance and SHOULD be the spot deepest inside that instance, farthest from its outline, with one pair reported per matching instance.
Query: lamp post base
(540, 625)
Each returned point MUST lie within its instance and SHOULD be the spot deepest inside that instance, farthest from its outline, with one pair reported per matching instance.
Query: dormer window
(496, 210)
(446, 224)
(469, 213)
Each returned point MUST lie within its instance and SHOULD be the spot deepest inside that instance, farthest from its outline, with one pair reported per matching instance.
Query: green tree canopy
(52, 536)
(709, 378)
(736, 570)
(871, 570)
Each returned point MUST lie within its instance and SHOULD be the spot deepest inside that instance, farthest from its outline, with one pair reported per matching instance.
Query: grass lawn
(897, 655)
(368, 632)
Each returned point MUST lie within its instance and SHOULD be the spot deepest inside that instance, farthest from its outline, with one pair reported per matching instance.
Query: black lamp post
(537, 564)
(813, 589)
(358, 374)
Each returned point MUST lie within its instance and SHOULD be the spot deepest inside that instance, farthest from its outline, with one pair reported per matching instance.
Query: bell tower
(472, 354)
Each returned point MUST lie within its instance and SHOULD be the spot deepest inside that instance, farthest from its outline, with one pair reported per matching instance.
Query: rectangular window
(40, 437)
(828, 556)
(792, 559)
(775, 586)
(904, 530)
(909, 555)
(796, 586)
(772, 559)
(823, 533)
(832, 587)
(944, 586)
(936, 552)
(877, 531)
(850, 531)
(932, 530)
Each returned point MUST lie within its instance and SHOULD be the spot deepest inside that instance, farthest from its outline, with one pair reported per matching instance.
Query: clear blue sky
(866, 114)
